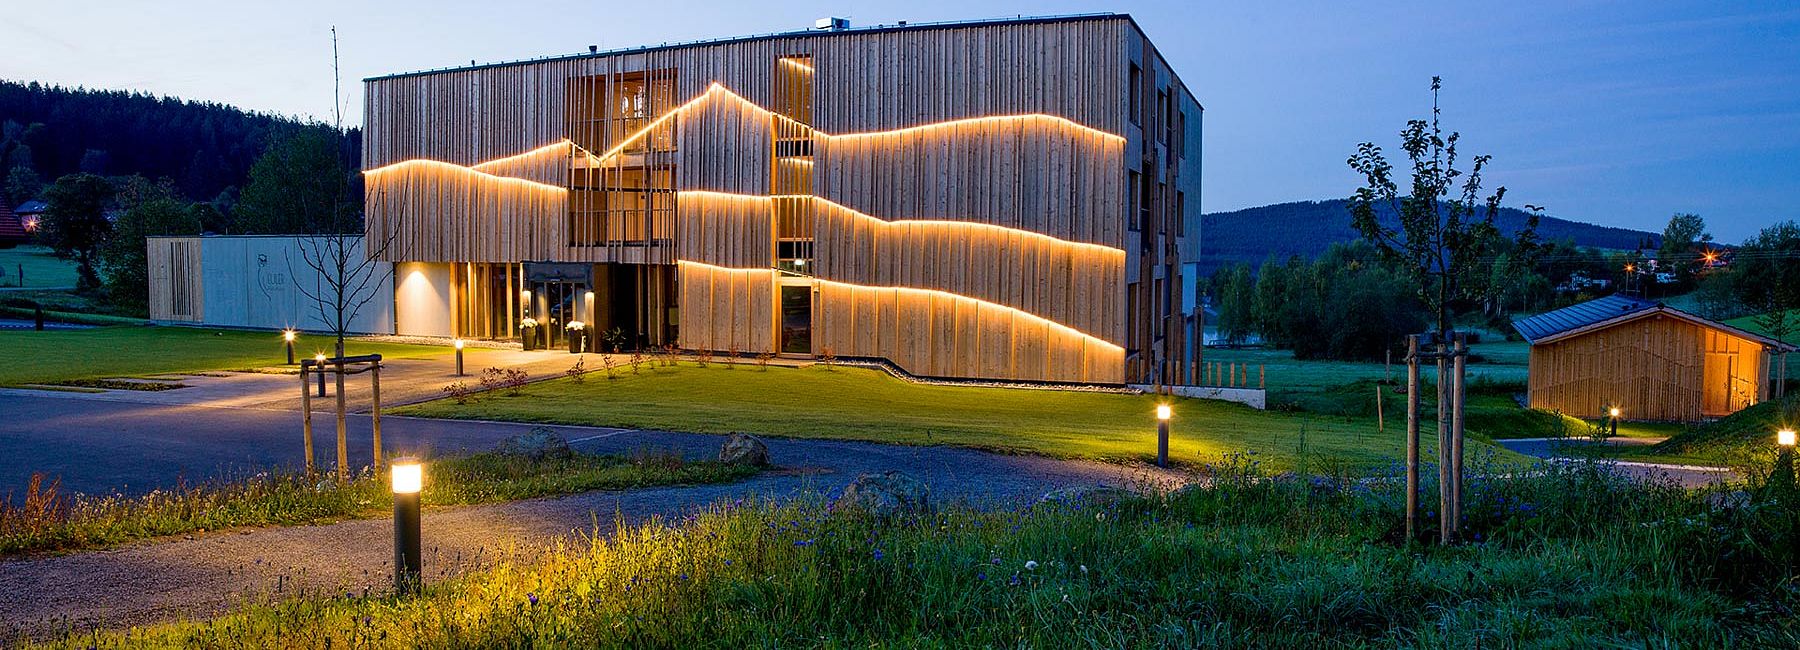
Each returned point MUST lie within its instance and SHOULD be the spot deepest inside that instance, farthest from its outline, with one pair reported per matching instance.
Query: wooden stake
(1443, 441)
(1380, 422)
(1412, 437)
(343, 440)
(306, 417)
(1458, 392)
(375, 415)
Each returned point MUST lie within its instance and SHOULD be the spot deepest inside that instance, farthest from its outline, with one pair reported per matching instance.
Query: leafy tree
(300, 185)
(1271, 291)
(1768, 277)
(23, 184)
(148, 209)
(1680, 237)
(1446, 228)
(75, 223)
(1237, 300)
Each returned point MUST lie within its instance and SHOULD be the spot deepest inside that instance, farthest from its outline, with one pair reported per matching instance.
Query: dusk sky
(1617, 113)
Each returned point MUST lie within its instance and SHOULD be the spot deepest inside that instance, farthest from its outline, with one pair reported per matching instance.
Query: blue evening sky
(1618, 113)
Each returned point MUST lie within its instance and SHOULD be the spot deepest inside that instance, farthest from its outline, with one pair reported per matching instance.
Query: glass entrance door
(796, 319)
(557, 303)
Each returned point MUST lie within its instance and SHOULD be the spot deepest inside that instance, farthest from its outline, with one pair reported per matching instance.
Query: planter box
(529, 336)
(577, 341)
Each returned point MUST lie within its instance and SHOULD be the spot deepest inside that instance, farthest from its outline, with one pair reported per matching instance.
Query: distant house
(12, 229)
(31, 213)
(1649, 360)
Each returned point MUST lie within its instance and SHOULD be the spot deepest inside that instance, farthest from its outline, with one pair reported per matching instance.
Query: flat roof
(800, 33)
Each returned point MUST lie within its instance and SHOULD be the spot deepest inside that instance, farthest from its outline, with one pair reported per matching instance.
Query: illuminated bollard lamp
(459, 358)
(319, 366)
(1162, 435)
(287, 339)
(408, 478)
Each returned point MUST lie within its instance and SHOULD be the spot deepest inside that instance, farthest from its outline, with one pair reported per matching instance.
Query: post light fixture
(287, 341)
(459, 357)
(1162, 435)
(1614, 412)
(319, 360)
(408, 477)
(1785, 438)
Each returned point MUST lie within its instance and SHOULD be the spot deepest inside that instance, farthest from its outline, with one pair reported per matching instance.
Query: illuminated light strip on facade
(1014, 311)
(793, 62)
(900, 222)
(717, 88)
(453, 167)
(520, 156)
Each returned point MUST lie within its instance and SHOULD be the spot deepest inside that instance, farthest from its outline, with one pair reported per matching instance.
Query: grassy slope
(862, 404)
(32, 357)
(42, 268)
(81, 521)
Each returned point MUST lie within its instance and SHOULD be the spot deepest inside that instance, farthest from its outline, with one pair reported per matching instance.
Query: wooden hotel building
(1008, 199)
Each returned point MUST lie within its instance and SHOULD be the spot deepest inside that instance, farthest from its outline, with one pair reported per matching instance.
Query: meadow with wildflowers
(1572, 556)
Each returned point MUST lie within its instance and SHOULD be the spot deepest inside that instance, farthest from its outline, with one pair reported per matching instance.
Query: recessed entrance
(796, 319)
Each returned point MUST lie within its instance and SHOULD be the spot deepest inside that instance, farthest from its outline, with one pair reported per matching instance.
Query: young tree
(147, 209)
(1446, 228)
(75, 223)
(1767, 267)
(1237, 296)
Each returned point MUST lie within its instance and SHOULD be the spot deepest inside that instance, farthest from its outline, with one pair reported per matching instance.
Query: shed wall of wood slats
(1655, 368)
(174, 266)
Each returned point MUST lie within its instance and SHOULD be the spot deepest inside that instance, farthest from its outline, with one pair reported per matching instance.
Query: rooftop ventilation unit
(833, 24)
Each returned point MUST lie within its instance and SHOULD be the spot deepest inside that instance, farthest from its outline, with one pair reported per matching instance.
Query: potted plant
(577, 335)
(614, 338)
(528, 332)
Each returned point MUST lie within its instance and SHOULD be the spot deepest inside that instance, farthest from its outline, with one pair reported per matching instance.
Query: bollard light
(287, 341)
(1162, 435)
(459, 358)
(408, 478)
(1614, 412)
(1785, 437)
(319, 359)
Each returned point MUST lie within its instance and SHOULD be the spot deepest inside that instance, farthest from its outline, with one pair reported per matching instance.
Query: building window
(1131, 202)
(1163, 117)
(1181, 214)
(627, 199)
(1162, 225)
(1181, 135)
(1136, 92)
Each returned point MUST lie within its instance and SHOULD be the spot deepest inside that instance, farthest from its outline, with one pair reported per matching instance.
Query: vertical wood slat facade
(1655, 368)
(173, 265)
(1058, 172)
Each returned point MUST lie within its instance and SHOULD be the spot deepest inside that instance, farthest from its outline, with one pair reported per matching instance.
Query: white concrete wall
(255, 281)
(422, 298)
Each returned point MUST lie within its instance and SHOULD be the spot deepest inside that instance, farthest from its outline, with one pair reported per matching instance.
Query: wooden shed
(1649, 360)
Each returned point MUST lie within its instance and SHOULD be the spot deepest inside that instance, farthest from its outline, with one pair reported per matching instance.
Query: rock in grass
(885, 494)
(744, 449)
(1086, 495)
(540, 443)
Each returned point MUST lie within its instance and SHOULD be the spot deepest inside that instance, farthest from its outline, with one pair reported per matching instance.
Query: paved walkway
(207, 574)
(1687, 475)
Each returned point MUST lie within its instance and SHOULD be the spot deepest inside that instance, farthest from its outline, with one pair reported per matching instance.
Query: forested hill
(1306, 228)
(204, 147)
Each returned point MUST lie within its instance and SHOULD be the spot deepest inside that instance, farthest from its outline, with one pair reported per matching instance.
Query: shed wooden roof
(1616, 309)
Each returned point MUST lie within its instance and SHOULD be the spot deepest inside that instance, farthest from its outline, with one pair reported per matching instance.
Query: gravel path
(208, 574)
(1687, 475)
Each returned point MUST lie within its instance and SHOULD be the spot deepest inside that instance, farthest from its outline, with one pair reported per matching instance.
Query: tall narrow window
(1136, 91)
(1131, 207)
(1181, 214)
(791, 177)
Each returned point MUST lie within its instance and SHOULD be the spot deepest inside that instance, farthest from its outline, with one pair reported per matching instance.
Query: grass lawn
(1504, 361)
(1569, 558)
(42, 268)
(45, 520)
(864, 404)
(28, 357)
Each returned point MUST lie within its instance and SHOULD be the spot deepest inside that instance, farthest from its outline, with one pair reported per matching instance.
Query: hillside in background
(204, 147)
(1306, 228)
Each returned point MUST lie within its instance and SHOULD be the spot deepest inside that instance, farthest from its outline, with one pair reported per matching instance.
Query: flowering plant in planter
(528, 332)
(577, 335)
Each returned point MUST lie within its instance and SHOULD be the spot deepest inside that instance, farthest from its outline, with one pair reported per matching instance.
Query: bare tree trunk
(1443, 442)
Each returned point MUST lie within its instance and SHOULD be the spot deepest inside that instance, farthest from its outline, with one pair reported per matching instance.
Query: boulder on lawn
(1081, 496)
(539, 443)
(885, 494)
(744, 449)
